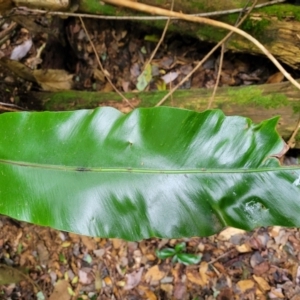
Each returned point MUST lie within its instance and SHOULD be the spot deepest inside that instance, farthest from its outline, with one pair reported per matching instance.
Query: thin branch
(7, 107)
(24, 10)
(159, 42)
(218, 76)
(223, 48)
(101, 66)
(161, 11)
(291, 140)
(161, 38)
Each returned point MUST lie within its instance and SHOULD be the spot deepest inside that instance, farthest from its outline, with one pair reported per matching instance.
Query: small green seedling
(178, 255)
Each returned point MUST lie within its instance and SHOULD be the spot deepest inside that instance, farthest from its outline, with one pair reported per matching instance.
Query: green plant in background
(155, 172)
(178, 255)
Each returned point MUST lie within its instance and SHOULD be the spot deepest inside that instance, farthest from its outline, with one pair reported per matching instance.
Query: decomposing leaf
(17, 68)
(98, 74)
(228, 232)
(9, 275)
(169, 77)
(53, 80)
(245, 285)
(60, 291)
(133, 279)
(21, 50)
(262, 283)
(154, 274)
(275, 78)
(43, 253)
(144, 78)
(5, 6)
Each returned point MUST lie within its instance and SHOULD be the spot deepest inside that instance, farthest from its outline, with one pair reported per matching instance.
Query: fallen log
(277, 26)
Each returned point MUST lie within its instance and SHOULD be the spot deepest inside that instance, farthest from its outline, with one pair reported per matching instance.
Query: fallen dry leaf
(147, 293)
(88, 242)
(244, 248)
(53, 80)
(261, 268)
(133, 279)
(179, 290)
(43, 253)
(194, 277)
(154, 274)
(276, 293)
(262, 283)
(245, 285)
(227, 233)
(202, 271)
(275, 78)
(61, 291)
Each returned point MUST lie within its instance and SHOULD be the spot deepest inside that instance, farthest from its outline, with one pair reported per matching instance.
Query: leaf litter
(262, 264)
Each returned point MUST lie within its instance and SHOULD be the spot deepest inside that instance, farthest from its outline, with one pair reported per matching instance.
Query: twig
(200, 63)
(218, 76)
(161, 38)
(101, 67)
(9, 29)
(223, 48)
(160, 11)
(7, 107)
(221, 256)
(291, 140)
(22, 10)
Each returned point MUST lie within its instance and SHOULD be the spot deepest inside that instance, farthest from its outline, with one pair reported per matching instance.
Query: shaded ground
(38, 261)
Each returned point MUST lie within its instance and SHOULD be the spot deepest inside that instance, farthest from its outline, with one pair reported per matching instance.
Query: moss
(96, 7)
(296, 108)
(255, 27)
(210, 33)
(282, 11)
(252, 95)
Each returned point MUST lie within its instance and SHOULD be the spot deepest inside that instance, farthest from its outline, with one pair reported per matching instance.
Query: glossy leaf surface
(154, 172)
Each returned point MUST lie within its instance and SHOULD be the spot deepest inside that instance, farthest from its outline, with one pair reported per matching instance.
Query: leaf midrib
(80, 169)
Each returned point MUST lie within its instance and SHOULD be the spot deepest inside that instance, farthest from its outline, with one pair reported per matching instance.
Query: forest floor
(42, 263)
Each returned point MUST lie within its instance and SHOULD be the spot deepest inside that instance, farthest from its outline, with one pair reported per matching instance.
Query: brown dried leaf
(227, 233)
(154, 274)
(98, 74)
(262, 283)
(194, 277)
(133, 279)
(88, 242)
(53, 80)
(43, 253)
(179, 290)
(261, 268)
(244, 248)
(275, 78)
(61, 291)
(202, 271)
(245, 285)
